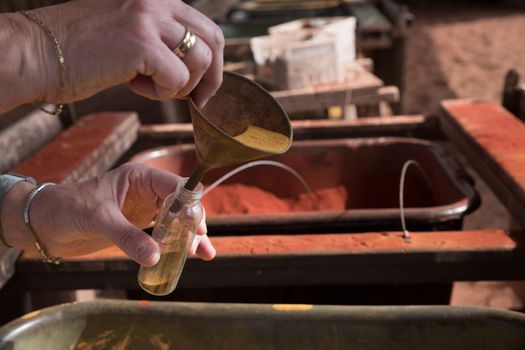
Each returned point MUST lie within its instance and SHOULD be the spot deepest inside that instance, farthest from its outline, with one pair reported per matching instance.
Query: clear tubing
(408, 163)
(264, 162)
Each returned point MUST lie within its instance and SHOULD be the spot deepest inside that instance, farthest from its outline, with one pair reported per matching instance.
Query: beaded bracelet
(61, 61)
(27, 220)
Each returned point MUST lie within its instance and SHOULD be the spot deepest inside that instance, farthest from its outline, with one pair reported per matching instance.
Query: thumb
(138, 245)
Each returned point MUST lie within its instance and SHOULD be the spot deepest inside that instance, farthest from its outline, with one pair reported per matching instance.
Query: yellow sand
(266, 140)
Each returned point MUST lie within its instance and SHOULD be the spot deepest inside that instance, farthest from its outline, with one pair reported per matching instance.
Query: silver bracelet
(27, 220)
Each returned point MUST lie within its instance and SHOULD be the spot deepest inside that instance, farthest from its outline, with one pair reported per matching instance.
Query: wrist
(52, 68)
(15, 231)
(21, 80)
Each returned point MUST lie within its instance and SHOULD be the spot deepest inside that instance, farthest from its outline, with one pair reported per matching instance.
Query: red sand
(244, 199)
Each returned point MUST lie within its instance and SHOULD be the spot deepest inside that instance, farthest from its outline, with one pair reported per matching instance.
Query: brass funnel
(238, 104)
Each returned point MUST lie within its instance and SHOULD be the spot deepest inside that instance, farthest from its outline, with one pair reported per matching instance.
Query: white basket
(341, 28)
(294, 60)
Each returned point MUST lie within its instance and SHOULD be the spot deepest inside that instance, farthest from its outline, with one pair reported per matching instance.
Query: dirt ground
(465, 51)
(462, 51)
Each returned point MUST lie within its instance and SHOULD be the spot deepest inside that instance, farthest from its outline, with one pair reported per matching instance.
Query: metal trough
(365, 171)
(161, 325)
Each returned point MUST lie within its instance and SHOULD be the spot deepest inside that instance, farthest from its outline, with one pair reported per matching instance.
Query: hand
(77, 219)
(110, 42)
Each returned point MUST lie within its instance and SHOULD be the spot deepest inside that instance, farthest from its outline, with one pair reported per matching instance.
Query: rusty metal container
(161, 325)
(366, 171)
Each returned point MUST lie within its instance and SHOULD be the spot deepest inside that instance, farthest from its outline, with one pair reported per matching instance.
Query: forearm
(19, 82)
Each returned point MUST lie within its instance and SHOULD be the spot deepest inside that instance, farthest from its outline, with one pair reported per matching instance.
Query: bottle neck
(189, 197)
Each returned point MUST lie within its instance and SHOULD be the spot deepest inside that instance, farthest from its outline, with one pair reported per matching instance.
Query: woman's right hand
(106, 43)
(112, 208)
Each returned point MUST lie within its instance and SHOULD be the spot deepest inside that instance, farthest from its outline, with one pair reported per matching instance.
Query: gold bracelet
(61, 62)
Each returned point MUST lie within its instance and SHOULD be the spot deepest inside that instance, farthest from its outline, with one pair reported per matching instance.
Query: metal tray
(368, 168)
(161, 325)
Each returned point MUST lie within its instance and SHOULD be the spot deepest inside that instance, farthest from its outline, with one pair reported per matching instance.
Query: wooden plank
(89, 147)
(311, 128)
(493, 140)
(391, 121)
(388, 94)
(341, 243)
(25, 136)
(362, 88)
(361, 83)
(317, 259)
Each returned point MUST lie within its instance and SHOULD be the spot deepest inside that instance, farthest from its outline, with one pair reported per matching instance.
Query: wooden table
(360, 94)
(304, 260)
(361, 88)
(382, 30)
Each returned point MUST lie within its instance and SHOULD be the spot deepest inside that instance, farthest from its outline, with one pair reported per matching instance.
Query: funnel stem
(190, 185)
(195, 178)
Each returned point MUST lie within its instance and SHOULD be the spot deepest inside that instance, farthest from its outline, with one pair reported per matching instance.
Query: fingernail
(154, 259)
(194, 246)
(213, 253)
(147, 254)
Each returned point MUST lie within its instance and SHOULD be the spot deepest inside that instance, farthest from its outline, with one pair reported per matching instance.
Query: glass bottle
(174, 231)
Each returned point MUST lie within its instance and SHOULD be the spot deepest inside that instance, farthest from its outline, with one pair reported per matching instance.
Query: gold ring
(186, 44)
